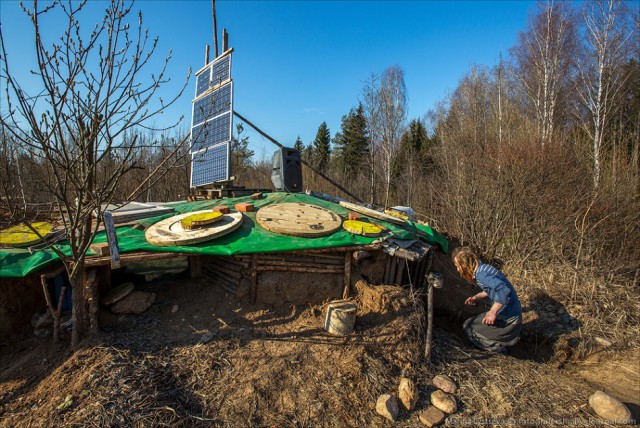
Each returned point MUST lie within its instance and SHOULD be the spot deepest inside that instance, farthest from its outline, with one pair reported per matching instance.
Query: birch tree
(94, 86)
(544, 60)
(392, 115)
(601, 70)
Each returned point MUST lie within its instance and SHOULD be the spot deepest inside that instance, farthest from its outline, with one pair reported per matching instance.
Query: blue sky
(298, 63)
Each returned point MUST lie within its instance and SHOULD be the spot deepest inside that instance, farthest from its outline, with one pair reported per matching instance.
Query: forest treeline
(535, 158)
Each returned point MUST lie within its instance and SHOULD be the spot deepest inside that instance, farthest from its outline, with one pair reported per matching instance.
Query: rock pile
(443, 401)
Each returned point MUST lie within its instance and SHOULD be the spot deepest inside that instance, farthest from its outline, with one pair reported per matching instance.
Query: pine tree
(322, 147)
(299, 145)
(352, 143)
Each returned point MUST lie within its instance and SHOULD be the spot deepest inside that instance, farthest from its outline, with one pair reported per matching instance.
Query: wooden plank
(170, 232)
(372, 213)
(112, 238)
(296, 219)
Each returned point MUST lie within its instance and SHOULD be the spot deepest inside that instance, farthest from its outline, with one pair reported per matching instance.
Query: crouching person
(500, 327)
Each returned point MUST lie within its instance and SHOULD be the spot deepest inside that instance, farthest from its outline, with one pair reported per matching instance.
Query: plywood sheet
(170, 231)
(297, 219)
(372, 213)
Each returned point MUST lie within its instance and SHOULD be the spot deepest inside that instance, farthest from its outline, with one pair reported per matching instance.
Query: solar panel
(221, 70)
(202, 81)
(211, 132)
(211, 123)
(213, 104)
(210, 165)
(213, 74)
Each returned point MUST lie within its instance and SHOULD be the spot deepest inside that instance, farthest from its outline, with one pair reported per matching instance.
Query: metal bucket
(341, 318)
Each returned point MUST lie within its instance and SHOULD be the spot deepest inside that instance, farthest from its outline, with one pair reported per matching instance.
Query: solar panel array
(211, 123)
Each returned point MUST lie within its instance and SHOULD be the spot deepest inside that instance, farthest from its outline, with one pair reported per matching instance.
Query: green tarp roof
(249, 238)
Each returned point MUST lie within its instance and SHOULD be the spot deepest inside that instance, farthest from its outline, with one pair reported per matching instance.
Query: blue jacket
(499, 289)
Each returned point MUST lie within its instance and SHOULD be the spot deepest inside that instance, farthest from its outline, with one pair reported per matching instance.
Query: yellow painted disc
(361, 228)
(22, 236)
(201, 219)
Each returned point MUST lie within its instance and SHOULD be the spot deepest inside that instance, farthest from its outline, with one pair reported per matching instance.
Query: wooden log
(218, 274)
(347, 275)
(230, 261)
(55, 312)
(227, 271)
(427, 346)
(253, 293)
(292, 264)
(132, 257)
(225, 283)
(298, 269)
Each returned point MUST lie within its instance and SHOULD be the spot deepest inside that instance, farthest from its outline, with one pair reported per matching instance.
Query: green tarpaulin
(249, 238)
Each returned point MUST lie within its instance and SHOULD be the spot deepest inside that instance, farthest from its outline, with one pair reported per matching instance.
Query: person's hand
(489, 318)
(471, 301)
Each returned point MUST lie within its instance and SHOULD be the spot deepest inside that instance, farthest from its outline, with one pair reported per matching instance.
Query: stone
(445, 383)
(387, 406)
(443, 401)
(603, 342)
(174, 309)
(432, 416)
(609, 408)
(408, 393)
(135, 303)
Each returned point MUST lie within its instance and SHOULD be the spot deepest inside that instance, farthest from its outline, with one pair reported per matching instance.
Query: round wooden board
(22, 236)
(295, 219)
(170, 231)
(372, 213)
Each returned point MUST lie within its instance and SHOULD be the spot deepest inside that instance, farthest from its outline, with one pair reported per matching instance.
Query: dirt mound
(260, 366)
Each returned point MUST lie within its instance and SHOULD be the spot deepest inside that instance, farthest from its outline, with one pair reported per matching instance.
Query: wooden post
(55, 313)
(253, 291)
(427, 346)
(347, 274)
(195, 266)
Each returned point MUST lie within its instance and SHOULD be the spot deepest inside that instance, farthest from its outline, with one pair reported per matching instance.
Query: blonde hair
(467, 260)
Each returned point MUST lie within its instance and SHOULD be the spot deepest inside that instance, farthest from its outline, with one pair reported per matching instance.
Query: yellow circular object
(200, 219)
(22, 236)
(361, 228)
